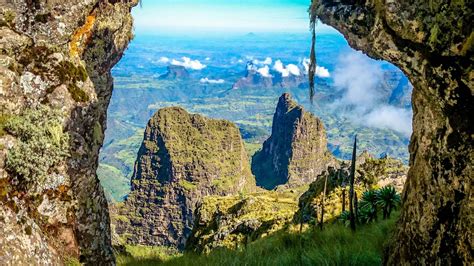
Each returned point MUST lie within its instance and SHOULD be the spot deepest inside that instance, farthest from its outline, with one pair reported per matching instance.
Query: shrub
(42, 143)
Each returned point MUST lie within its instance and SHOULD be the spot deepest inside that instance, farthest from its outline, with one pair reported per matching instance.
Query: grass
(335, 245)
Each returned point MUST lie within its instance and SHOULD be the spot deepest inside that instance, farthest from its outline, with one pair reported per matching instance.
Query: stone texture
(183, 158)
(432, 43)
(233, 222)
(59, 54)
(296, 152)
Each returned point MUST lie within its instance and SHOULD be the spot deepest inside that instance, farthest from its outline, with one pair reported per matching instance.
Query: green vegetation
(3, 123)
(187, 185)
(42, 143)
(247, 218)
(336, 245)
(111, 177)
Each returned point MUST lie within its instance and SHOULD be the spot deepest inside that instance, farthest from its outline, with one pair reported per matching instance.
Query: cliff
(296, 152)
(265, 78)
(55, 61)
(183, 158)
(432, 43)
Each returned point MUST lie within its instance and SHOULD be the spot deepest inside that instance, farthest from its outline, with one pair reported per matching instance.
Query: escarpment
(296, 152)
(432, 43)
(55, 86)
(183, 158)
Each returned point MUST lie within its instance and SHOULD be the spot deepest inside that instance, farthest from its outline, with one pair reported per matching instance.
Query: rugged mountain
(296, 152)
(183, 158)
(253, 79)
(55, 86)
(265, 77)
(175, 72)
(432, 43)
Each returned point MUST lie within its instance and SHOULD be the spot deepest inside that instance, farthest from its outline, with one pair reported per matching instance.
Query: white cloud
(322, 72)
(188, 63)
(164, 59)
(391, 117)
(212, 81)
(208, 58)
(359, 79)
(293, 69)
(266, 61)
(286, 70)
(264, 71)
(279, 67)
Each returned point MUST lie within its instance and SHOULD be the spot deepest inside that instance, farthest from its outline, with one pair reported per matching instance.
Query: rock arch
(432, 43)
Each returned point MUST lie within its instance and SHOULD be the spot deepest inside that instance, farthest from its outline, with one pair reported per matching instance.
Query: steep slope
(296, 152)
(183, 158)
(233, 222)
(432, 43)
(55, 85)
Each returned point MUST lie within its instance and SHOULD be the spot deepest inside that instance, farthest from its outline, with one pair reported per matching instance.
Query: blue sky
(223, 16)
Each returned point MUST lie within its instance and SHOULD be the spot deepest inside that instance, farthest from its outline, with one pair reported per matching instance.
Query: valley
(138, 78)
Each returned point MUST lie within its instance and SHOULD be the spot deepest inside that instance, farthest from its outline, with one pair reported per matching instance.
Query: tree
(351, 190)
(388, 199)
(343, 199)
(369, 203)
(322, 202)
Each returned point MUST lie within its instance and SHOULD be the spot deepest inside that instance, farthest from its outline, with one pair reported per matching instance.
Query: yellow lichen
(81, 36)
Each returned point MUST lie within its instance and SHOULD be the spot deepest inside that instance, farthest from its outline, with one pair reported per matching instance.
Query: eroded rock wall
(183, 158)
(296, 152)
(432, 43)
(55, 86)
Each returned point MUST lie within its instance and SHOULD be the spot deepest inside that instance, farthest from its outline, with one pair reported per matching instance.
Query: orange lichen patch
(81, 36)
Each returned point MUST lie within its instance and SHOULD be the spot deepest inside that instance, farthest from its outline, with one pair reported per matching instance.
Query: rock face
(296, 152)
(432, 43)
(55, 85)
(233, 222)
(175, 72)
(183, 158)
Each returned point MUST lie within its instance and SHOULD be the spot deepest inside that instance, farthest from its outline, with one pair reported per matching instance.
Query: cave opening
(199, 67)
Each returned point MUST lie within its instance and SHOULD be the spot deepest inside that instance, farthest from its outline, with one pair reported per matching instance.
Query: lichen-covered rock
(183, 158)
(432, 43)
(55, 86)
(296, 152)
(22, 241)
(233, 222)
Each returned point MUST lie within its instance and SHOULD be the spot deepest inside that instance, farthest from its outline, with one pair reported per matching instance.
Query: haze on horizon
(229, 16)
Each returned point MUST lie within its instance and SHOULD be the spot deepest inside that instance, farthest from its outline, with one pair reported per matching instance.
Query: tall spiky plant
(388, 199)
(351, 190)
(369, 202)
(322, 202)
(312, 57)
